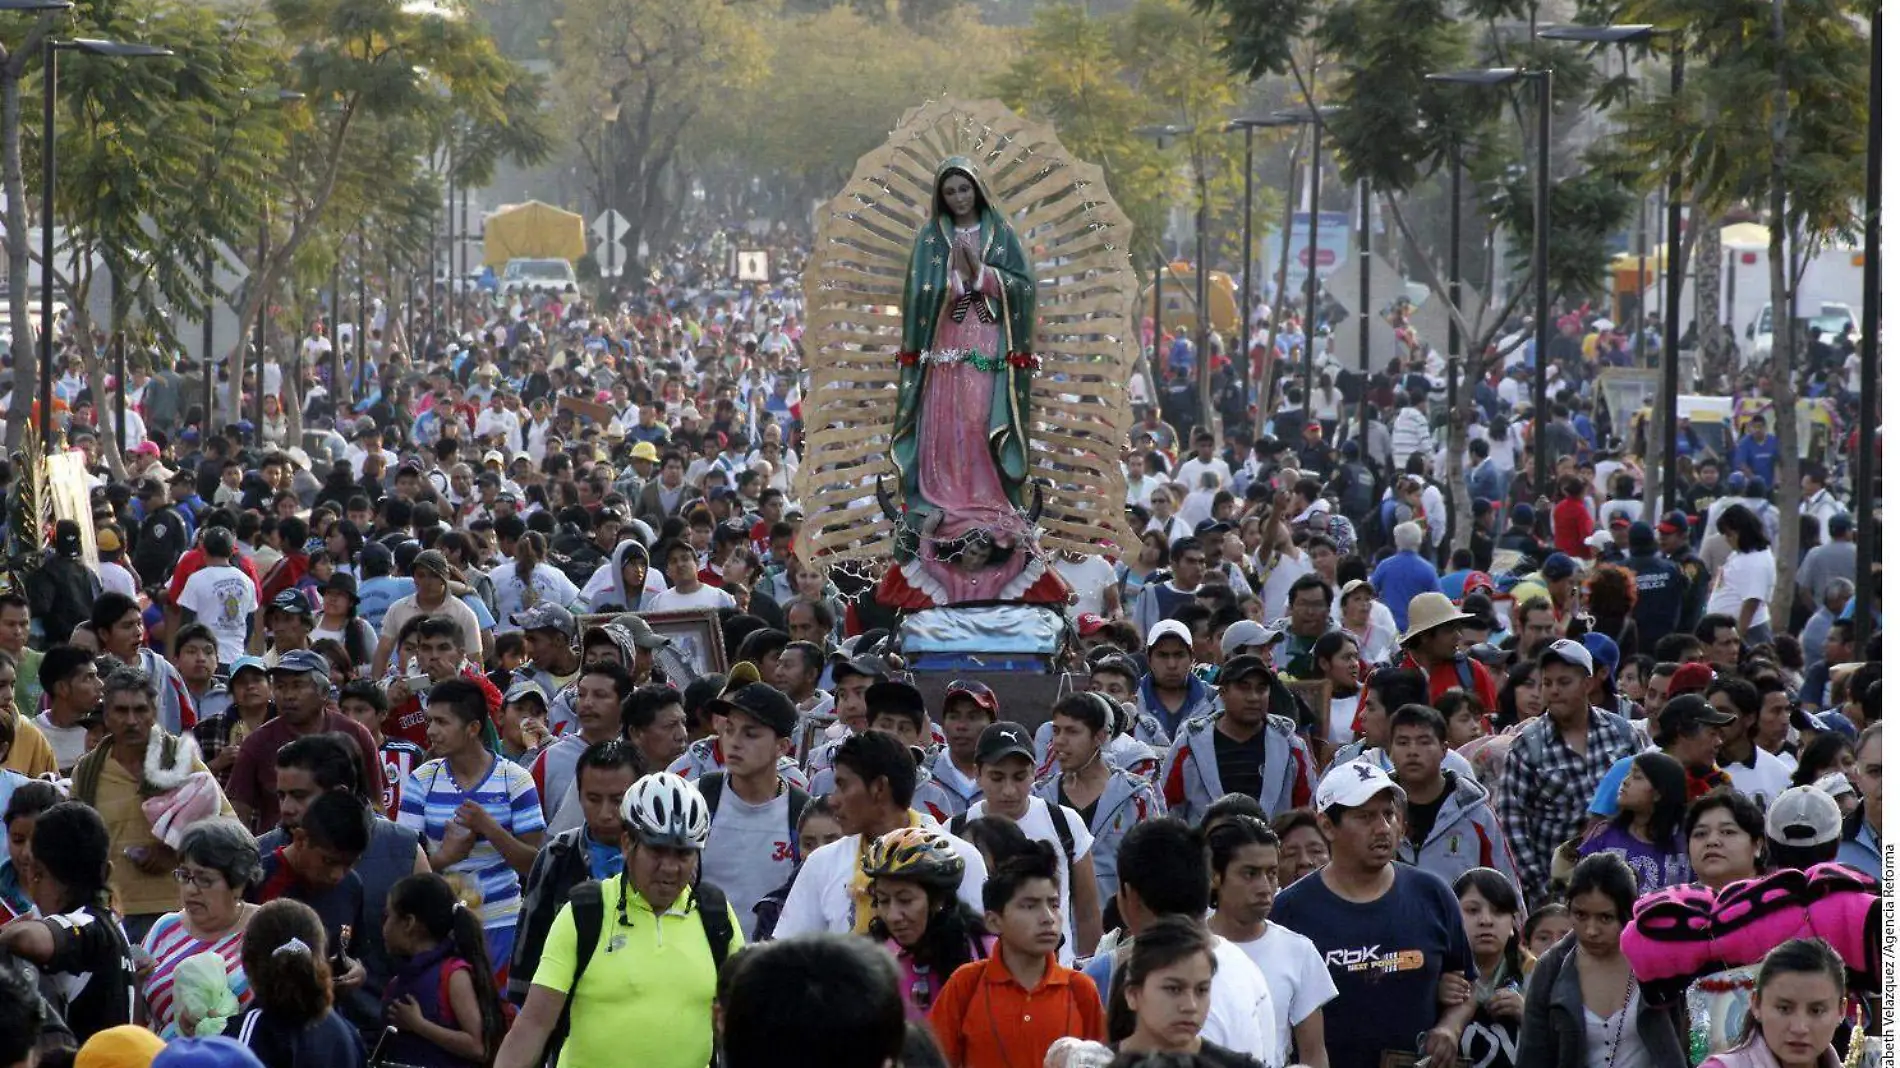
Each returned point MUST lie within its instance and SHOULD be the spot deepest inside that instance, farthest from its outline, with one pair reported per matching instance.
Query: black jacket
(1660, 592)
(559, 867)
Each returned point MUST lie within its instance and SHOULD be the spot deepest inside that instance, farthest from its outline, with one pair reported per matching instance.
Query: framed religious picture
(696, 646)
(753, 265)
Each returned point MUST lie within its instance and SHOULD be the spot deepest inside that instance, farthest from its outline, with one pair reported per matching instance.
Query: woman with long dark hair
(915, 873)
(1827, 752)
(1158, 1001)
(1647, 828)
(1487, 899)
(1746, 580)
(1799, 1002)
(1583, 1008)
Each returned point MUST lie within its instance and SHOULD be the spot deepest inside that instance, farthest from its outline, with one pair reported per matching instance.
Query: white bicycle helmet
(663, 809)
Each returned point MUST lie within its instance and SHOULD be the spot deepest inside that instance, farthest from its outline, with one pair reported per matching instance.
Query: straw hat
(1430, 611)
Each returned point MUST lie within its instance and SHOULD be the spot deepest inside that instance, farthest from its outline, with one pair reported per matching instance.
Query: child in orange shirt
(1005, 1012)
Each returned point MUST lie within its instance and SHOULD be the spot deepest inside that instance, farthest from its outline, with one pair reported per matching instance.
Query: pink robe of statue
(955, 470)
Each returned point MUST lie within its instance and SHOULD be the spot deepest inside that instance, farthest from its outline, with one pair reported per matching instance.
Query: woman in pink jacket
(1800, 1000)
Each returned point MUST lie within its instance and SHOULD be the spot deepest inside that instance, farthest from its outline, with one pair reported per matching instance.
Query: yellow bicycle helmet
(919, 854)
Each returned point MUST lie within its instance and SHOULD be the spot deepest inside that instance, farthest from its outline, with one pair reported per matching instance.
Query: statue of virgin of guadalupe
(960, 442)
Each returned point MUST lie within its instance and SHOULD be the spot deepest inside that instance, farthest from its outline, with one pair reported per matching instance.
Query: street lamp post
(1316, 117)
(46, 265)
(1866, 455)
(50, 48)
(1663, 413)
(1540, 262)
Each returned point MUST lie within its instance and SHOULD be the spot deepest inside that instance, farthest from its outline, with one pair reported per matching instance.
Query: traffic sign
(612, 259)
(609, 224)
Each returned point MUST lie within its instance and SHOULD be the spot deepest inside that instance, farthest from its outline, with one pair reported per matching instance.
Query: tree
(1395, 128)
(660, 63)
(1774, 116)
(801, 127)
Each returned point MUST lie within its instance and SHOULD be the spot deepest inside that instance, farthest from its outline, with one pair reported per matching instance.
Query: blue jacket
(1401, 577)
(1200, 702)
(1860, 846)
(1126, 800)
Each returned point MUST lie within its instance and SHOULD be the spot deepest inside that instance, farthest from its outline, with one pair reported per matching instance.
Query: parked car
(537, 276)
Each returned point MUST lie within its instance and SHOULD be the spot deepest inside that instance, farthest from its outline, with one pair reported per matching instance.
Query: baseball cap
(1603, 650)
(107, 539)
(125, 1046)
(1242, 666)
(1559, 566)
(644, 636)
(1804, 816)
(248, 663)
(1569, 652)
(1834, 784)
(525, 688)
(1169, 628)
(214, 1052)
(1353, 784)
(1480, 580)
(145, 448)
(984, 697)
(1689, 679)
(301, 662)
(1002, 740)
(1674, 523)
(867, 666)
(763, 703)
(1642, 535)
(494, 456)
(1211, 526)
(1242, 634)
(1692, 710)
(546, 616)
(1089, 623)
(295, 601)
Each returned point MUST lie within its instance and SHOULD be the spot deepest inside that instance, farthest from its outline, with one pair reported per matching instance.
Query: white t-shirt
(1040, 826)
(821, 895)
(749, 852)
(1088, 576)
(114, 578)
(1241, 1013)
(704, 597)
(1764, 782)
(69, 743)
(511, 594)
(1295, 973)
(1191, 469)
(222, 598)
(1744, 577)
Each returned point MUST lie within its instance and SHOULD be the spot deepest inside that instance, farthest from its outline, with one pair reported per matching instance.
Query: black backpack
(162, 539)
(590, 915)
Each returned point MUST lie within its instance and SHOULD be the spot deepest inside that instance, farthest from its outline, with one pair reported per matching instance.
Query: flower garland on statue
(1022, 361)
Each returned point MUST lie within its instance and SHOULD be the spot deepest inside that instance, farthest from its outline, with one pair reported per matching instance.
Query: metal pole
(336, 320)
(1365, 313)
(211, 310)
(448, 294)
(1540, 413)
(263, 306)
(1642, 278)
(1867, 549)
(1672, 305)
(1154, 369)
(463, 297)
(1203, 358)
(118, 375)
(1244, 347)
(1455, 343)
(50, 57)
(1312, 276)
(362, 307)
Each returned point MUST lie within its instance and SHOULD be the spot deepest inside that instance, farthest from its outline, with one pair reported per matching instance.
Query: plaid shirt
(1545, 794)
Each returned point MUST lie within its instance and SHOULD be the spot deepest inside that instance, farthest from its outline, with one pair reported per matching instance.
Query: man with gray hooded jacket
(1450, 827)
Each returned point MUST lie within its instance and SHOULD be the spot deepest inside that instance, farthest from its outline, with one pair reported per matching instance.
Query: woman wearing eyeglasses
(217, 862)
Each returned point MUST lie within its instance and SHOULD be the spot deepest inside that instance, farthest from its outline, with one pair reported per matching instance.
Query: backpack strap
(715, 916)
(958, 822)
(1060, 817)
(590, 911)
(795, 802)
(711, 786)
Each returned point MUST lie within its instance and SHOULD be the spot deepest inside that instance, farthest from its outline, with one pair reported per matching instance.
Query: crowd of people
(359, 748)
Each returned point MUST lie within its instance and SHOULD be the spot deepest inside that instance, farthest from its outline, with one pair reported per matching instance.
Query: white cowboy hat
(1429, 611)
